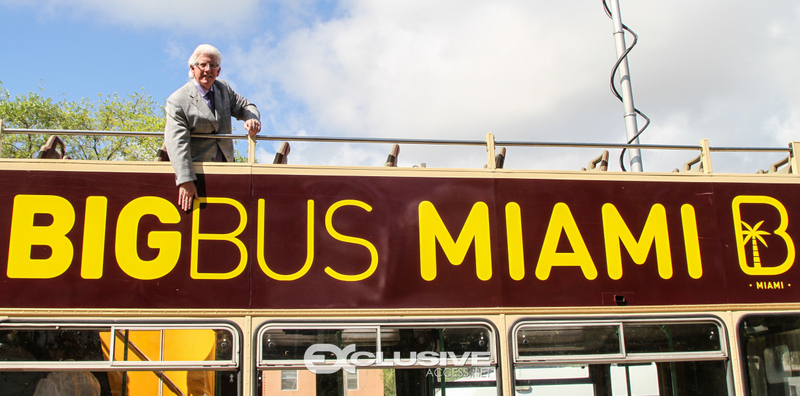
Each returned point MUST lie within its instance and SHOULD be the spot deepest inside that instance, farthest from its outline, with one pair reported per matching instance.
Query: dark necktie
(210, 98)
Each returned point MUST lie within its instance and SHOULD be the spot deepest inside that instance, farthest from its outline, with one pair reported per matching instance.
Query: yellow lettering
(349, 239)
(516, 257)
(309, 245)
(25, 235)
(777, 285)
(231, 237)
(94, 238)
(691, 241)
(752, 236)
(167, 242)
(655, 232)
(476, 227)
(562, 219)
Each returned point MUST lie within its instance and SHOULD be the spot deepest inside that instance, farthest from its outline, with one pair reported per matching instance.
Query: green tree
(135, 112)
(389, 382)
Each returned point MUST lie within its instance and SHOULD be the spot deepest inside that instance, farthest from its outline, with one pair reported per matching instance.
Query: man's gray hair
(204, 49)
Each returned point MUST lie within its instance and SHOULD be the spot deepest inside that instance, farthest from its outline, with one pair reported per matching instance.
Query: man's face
(205, 76)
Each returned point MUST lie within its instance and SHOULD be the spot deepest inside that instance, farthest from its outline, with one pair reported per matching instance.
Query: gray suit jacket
(188, 114)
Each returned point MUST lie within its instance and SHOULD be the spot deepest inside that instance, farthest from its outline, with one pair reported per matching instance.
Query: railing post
(490, 151)
(794, 161)
(251, 149)
(1, 138)
(705, 155)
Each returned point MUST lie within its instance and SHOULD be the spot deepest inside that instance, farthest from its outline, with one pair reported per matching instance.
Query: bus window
(653, 338)
(771, 351)
(625, 357)
(398, 359)
(573, 340)
(125, 360)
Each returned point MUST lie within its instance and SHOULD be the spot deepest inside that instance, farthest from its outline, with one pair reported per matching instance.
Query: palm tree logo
(753, 234)
(777, 231)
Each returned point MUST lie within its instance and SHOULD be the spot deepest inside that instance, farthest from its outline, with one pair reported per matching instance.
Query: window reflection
(428, 359)
(626, 357)
(96, 360)
(771, 345)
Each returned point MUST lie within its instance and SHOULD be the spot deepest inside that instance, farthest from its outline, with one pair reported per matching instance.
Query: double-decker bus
(324, 280)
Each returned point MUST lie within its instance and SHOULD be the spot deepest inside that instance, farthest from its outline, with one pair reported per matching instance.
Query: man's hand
(252, 126)
(186, 193)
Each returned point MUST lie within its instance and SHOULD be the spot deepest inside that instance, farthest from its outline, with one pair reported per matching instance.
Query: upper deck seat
(53, 149)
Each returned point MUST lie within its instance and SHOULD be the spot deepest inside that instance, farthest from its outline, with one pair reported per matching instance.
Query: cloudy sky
(524, 70)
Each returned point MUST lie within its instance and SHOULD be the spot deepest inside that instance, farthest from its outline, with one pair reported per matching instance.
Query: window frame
(355, 377)
(565, 358)
(376, 325)
(624, 357)
(111, 364)
(296, 380)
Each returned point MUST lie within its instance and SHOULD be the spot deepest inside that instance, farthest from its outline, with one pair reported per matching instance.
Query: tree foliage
(135, 112)
(389, 381)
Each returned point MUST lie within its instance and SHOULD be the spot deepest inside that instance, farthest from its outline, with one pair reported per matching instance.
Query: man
(204, 105)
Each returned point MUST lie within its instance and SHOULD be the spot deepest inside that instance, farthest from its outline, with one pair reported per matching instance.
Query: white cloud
(535, 70)
(176, 52)
(412, 69)
(439, 70)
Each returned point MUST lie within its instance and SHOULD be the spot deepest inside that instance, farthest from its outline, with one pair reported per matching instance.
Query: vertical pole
(490, 151)
(251, 150)
(631, 127)
(705, 156)
(125, 359)
(245, 375)
(1, 138)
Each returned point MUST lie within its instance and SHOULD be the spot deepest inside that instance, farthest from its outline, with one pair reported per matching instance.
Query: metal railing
(701, 163)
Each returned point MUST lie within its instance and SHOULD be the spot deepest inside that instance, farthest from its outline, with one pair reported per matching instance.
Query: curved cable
(614, 87)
